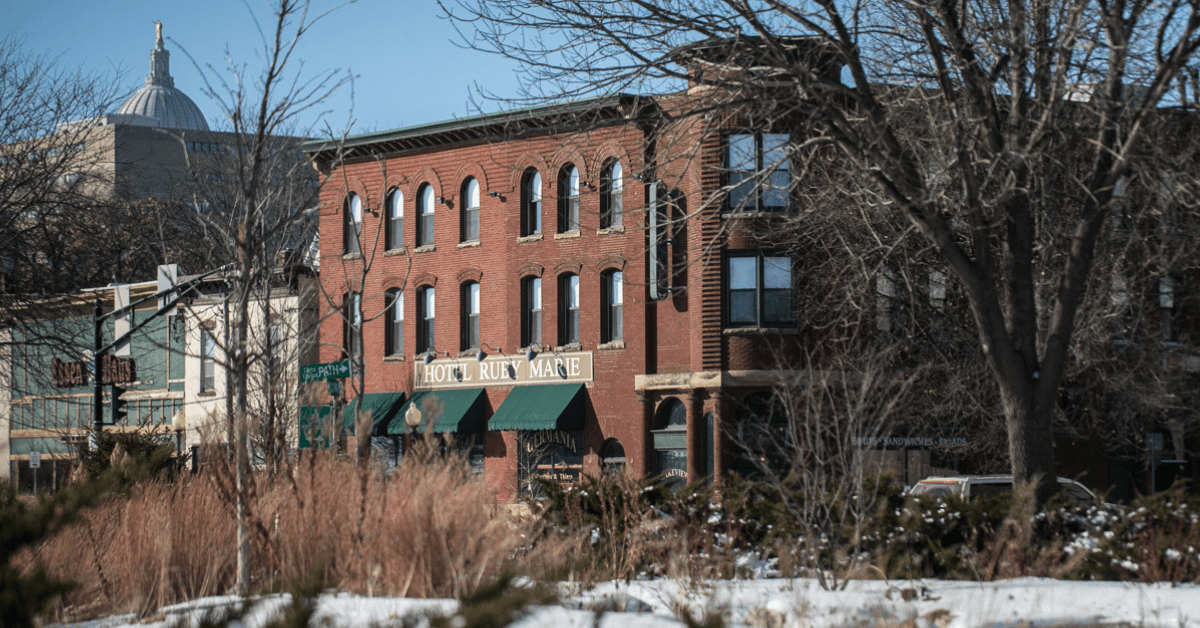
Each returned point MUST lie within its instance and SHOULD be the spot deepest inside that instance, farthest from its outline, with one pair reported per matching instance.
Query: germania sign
(503, 370)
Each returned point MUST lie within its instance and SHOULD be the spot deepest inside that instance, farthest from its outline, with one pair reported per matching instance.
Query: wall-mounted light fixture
(481, 355)
(431, 355)
(531, 354)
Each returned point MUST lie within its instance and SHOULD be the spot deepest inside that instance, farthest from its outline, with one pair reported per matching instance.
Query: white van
(971, 486)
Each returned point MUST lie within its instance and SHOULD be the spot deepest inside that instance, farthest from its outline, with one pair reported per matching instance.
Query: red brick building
(509, 264)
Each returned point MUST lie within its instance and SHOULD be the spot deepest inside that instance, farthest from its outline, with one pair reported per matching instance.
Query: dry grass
(429, 531)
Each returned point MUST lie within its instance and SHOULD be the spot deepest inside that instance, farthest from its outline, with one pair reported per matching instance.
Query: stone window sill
(207, 393)
(394, 252)
(566, 236)
(611, 230)
(537, 237)
(611, 346)
(428, 248)
(757, 331)
(350, 256)
(393, 358)
(472, 244)
(574, 346)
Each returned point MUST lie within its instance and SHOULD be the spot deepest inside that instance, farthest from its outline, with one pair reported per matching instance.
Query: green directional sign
(325, 371)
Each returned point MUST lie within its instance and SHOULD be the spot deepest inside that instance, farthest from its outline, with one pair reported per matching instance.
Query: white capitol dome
(158, 99)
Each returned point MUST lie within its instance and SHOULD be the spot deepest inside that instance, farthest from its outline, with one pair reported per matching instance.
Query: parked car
(973, 486)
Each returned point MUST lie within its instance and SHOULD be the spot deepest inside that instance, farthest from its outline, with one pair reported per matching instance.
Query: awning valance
(549, 407)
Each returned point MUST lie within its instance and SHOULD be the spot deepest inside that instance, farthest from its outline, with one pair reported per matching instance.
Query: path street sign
(35, 460)
(328, 370)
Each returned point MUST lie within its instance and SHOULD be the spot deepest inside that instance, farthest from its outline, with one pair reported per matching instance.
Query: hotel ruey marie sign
(503, 370)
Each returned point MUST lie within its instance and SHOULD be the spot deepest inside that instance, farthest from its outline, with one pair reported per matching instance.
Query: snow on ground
(1033, 602)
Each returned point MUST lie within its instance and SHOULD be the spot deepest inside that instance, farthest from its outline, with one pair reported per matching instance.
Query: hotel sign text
(503, 370)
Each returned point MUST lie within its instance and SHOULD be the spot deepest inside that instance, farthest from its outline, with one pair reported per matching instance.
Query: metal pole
(97, 382)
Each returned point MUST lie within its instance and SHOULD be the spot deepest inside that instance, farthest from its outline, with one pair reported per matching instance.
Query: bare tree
(997, 130)
(261, 203)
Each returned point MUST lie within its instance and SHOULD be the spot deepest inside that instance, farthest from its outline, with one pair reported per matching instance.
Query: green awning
(457, 410)
(313, 427)
(549, 407)
(382, 406)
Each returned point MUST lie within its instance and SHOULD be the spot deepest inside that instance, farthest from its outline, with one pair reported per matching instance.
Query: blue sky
(407, 69)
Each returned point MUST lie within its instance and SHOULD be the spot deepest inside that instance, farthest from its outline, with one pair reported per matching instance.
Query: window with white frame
(208, 360)
(531, 203)
(531, 311)
(425, 201)
(469, 218)
(352, 326)
(612, 299)
(425, 311)
(612, 187)
(758, 174)
(352, 231)
(470, 315)
(568, 199)
(758, 289)
(395, 214)
(568, 305)
(394, 332)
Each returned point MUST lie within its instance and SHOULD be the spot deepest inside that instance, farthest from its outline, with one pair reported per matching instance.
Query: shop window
(568, 305)
(758, 176)
(425, 200)
(531, 311)
(208, 360)
(469, 208)
(394, 315)
(612, 187)
(531, 203)
(762, 437)
(759, 290)
(470, 315)
(612, 298)
(425, 310)
(670, 442)
(395, 213)
(352, 227)
(568, 199)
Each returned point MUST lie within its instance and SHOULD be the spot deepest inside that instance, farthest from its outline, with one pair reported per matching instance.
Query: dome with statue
(158, 103)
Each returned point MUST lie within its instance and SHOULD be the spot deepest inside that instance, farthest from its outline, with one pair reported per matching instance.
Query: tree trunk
(1030, 435)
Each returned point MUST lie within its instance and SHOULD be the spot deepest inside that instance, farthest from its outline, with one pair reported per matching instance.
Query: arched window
(469, 229)
(395, 213)
(425, 200)
(568, 307)
(612, 457)
(612, 188)
(425, 312)
(671, 413)
(394, 332)
(531, 311)
(568, 199)
(612, 301)
(470, 315)
(352, 229)
(531, 202)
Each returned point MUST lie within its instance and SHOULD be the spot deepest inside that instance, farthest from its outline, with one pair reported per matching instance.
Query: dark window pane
(742, 310)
